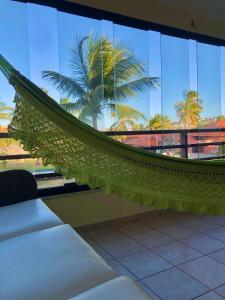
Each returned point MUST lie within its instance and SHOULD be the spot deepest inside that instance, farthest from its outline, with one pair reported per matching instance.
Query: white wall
(91, 207)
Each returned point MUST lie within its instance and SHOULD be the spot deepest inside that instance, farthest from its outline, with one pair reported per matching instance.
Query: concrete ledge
(90, 207)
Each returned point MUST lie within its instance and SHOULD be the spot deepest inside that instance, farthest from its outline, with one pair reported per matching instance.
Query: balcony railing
(182, 136)
(186, 141)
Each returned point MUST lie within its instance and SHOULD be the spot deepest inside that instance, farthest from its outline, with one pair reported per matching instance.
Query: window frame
(94, 13)
(99, 14)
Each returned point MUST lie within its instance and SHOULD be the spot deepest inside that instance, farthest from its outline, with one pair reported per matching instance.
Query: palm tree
(126, 118)
(159, 122)
(102, 75)
(5, 111)
(220, 118)
(189, 110)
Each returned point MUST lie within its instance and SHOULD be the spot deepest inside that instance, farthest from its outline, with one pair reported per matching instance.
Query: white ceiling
(214, 9)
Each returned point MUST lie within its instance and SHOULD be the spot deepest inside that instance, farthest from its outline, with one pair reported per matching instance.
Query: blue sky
(36, 38)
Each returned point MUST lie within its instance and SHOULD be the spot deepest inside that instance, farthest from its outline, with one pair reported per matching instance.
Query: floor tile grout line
(141, 251)
(152, 275)
(208, 288)
(182, 242)
(191, 235)
(155, 213)
(215, 258)
(154, 293)
(214, 236)
(197, 233)
(211, 289)
(219, 294)
(164, 244)
(129, 234)
(175, 267)
(133, 253)
(116, 259)
(214, 290)
(195, 298)
(178, 240)
(207, 221)
(138, 242)
(202, 217)
(204, 233)
(150, 248)
(182, 223)
(172, 240)
(141, 279)
(122, 232)
(172, 265)
(158, 229)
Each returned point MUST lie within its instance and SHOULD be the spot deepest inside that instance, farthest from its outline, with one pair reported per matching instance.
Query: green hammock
(81, 152)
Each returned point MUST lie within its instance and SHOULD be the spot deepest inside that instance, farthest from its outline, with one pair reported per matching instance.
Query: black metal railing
(182, 138)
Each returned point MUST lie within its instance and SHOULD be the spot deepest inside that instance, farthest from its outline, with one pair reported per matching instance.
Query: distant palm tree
(159, 122)
(220, 118)
(189, 110)
(126, 118)
(102, 75)
(5, 111)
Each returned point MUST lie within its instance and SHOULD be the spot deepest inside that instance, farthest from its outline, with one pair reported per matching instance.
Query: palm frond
(75, 106)
(126, 112)
(131, 88)
(98, 93)
(85, 115)
(64, 84)
(79, 60)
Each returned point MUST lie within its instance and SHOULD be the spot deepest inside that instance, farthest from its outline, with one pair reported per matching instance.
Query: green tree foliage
(189, 110)
(126, 118)
(220, 118)
(159, 122)
(5, 111)
(102, 75)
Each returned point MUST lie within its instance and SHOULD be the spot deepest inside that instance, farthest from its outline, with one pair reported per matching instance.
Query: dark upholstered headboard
(17, 186)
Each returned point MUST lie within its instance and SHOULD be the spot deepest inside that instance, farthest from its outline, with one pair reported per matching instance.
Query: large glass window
(155, 100)
(175, 89)
(209, 90)
(81, 43)
(43, 45)
(168, 91)
(14, 46)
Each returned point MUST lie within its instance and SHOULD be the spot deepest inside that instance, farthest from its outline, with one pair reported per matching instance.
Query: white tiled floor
(173, 256)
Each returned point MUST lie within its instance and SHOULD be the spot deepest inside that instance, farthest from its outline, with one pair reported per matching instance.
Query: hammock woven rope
(78, 151)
